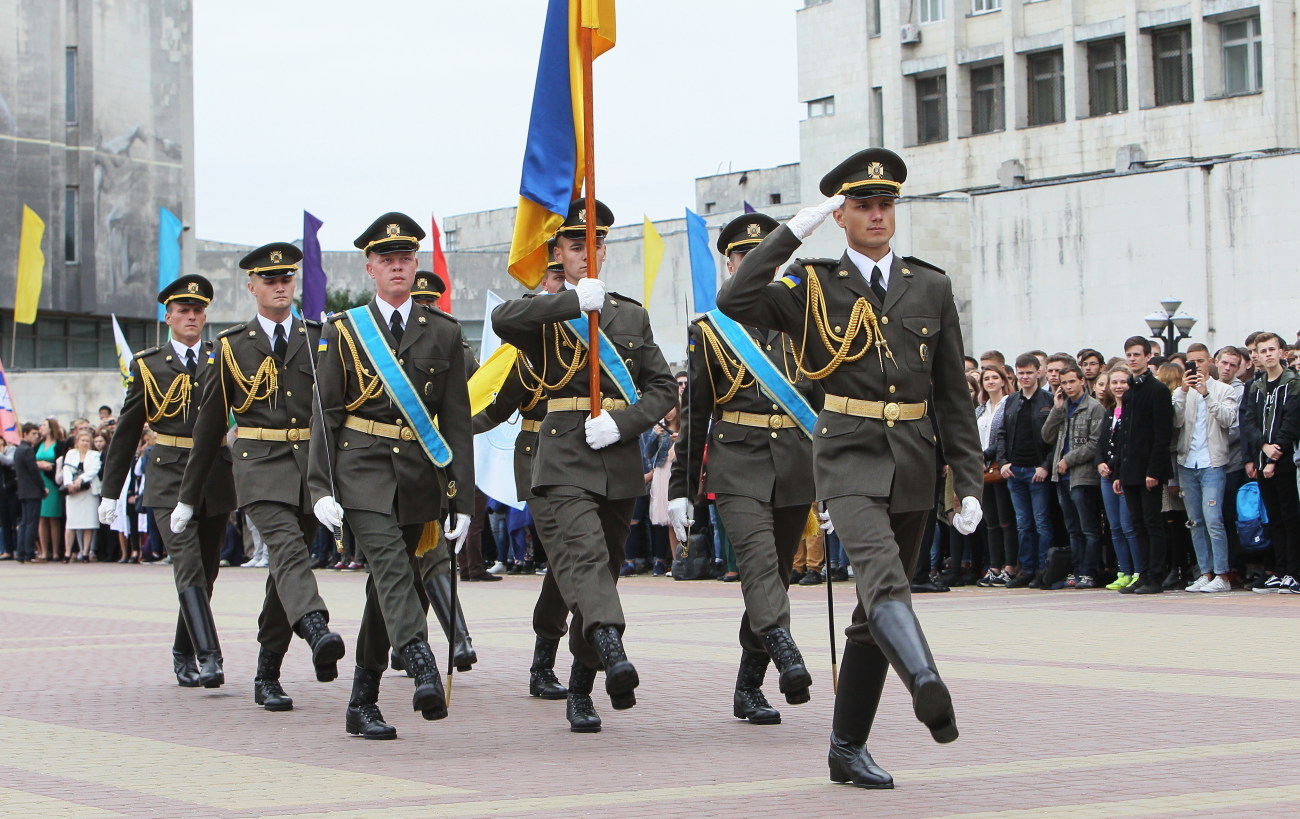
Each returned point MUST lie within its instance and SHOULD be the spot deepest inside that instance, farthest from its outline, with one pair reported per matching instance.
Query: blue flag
(749, 208)
(169, 251)
(313, 274)
(704, 273)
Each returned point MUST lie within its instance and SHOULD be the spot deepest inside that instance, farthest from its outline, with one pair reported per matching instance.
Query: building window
(877, 117)
(988, 110)
(70, 224)
(931, 109)
(774, 198)
(873, 21)
(824, 107)
(1243, 52)
(58, 342)
(981, 6)
(1172, 49)
(807, 3)
(452, 239)
(70, 83)
(1046, 88)
(931, 11)
(1107, 77)
(709, 206)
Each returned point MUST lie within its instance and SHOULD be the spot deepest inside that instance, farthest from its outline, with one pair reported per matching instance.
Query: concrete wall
(64, 394)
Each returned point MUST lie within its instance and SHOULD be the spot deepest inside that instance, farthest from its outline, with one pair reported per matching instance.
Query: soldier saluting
(881, 333)
(165, 385)
(386, 370)
(750, 403)
(262, 373)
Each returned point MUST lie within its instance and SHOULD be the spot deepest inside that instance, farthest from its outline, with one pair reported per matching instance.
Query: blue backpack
(1251, 518)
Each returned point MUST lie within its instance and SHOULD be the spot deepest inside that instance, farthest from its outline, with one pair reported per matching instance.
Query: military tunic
(589, 493)
(876, 474)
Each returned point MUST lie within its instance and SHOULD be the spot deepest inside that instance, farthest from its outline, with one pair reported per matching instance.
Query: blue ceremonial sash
(771, 381)
(399, 387)
(610, 360)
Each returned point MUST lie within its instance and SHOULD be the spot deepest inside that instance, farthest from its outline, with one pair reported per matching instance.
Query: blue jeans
(835, 556)
(499, 525)
(1121, 529)
(1081, 508)
(1033, 521)
(1203, 496)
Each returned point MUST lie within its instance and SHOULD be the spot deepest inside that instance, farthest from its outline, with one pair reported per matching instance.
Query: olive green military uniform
(272, 403)
(383, 479)
(589, 494)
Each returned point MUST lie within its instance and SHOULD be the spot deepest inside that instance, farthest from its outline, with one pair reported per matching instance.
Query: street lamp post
(1169, 325)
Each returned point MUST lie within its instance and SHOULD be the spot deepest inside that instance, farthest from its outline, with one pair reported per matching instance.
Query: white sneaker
(497, 568)
(251, 564)
(1201, 582)
(262, 564)
(1289, 586)
(1218, 584)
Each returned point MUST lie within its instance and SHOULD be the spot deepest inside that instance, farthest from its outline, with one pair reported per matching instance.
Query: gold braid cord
(525, 372)
(166, 404)
(570, 369)
(369, 383)
(732, 370)
(861, 320)
(263, 384)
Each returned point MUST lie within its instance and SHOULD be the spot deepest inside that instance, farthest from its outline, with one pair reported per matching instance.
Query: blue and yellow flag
(554, 163)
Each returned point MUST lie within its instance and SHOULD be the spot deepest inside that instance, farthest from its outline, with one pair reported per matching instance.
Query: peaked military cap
(275, 259)
(428, 285)
(743, 233)
(191, 289)
(554, 266)
(873, 172)
(390, 233)
(575, 224)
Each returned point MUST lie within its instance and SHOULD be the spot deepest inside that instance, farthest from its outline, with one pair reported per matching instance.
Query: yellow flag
(31, 268)
(654, 256)
(486, 382)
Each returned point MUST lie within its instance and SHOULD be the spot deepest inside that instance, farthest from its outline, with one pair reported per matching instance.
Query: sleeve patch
(790, 281)
(323, 345)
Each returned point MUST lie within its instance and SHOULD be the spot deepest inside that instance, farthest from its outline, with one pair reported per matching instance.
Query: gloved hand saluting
(969, 517)
(803, 223)
(681, 517)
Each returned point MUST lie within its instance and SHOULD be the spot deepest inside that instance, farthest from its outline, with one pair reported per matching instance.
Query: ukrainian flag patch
(790, 281)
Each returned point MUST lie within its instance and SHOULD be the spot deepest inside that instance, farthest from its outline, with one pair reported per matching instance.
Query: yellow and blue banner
(170, 229)
(31, 268)
(704, 271)
(124, 354)
(653, 251)
(554, 164)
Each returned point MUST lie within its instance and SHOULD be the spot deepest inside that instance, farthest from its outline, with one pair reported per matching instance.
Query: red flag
(440, 267)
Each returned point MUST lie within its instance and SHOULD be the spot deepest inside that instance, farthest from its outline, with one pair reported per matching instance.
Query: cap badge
(582, 216)
(875, 171)
(423, 284)
(753, 230)
(393, 230)
(192, 287)
(277, 256)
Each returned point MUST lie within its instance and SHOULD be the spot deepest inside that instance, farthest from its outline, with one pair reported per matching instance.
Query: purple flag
(313, 275)
(749, 208)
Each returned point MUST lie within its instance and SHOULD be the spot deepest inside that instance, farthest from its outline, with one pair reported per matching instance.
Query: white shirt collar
(269, 326)
(865, 264)
(386, 310)
(569, 286)
(181, 349)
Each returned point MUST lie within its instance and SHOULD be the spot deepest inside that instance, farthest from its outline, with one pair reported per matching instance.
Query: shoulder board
(144, 353)
(207, 345)
(818, 262)
(335, 316)
(435, 311)
(922, 263)
(312, 323)
(530, 295)
(232, 330)
(621, 297)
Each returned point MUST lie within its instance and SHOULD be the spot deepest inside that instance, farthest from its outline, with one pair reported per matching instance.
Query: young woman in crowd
(81, 466)
(1117, 380)
(48, 453)
(999, 516)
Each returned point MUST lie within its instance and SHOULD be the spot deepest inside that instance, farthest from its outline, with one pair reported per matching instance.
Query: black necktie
(878, 283)
(191, 363)
(395, 325)
(281, 345)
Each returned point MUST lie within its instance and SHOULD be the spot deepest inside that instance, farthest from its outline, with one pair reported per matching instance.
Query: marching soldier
(749, 401)
(263, 373)
(385, 371)
(525, 394)
(588, 469)
(165, 386)
(881, 332)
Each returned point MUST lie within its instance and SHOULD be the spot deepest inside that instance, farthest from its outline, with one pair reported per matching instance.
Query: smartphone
(1190, 366)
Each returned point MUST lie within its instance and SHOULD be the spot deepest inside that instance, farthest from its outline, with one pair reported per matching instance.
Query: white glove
(329, 513)
(591, 294)
(969, 517)
(181, 517)
(107, 511)
(826, 524)
(601, 431)
(803, 223)
(681, 516)
(458, 532)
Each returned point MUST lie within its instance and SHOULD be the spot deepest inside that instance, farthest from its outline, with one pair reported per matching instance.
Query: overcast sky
(350, 109)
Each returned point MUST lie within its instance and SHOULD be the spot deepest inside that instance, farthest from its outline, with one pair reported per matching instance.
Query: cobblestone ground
(1071, 703)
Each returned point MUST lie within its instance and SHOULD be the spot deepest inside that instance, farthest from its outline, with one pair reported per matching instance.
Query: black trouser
(10, 511)
(1235, 480)
(1149, 528)
(1283, 505)
(27, 527)
(1000, 525)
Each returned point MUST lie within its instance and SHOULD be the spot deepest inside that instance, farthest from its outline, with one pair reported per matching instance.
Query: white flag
(494, 450)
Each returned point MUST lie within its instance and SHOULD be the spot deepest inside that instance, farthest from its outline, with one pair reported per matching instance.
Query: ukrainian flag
(554, 164)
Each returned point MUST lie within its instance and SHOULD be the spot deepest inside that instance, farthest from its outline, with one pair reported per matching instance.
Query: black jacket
(1270, 419)
(1148, 421)
(30, 485)
(1040, 405)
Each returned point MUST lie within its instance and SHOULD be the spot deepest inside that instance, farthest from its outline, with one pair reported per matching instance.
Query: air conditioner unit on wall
(910, 34)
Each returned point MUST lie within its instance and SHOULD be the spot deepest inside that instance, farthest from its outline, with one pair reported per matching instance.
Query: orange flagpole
(589, 187)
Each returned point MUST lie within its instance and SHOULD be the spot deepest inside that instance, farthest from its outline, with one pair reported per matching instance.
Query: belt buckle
(293, 435)
(607, 404)
(892, 411)
(407, 434)
(775, 422)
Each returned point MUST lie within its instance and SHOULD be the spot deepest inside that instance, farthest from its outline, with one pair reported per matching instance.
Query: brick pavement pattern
(1078, 703)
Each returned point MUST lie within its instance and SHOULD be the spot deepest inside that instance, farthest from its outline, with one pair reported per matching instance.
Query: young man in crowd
(1205, 411)
(1091, 363)
(1227, 365)
(1148, 418)
(1074, 427)
(1026, 459)
(1056, 363)
(1270, 425)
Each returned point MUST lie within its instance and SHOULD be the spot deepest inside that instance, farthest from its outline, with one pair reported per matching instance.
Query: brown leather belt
(174, 441)
(755, 419)
(583, 404)
(530, 426)
(888, 412)
(379, 429)
(260, 434)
